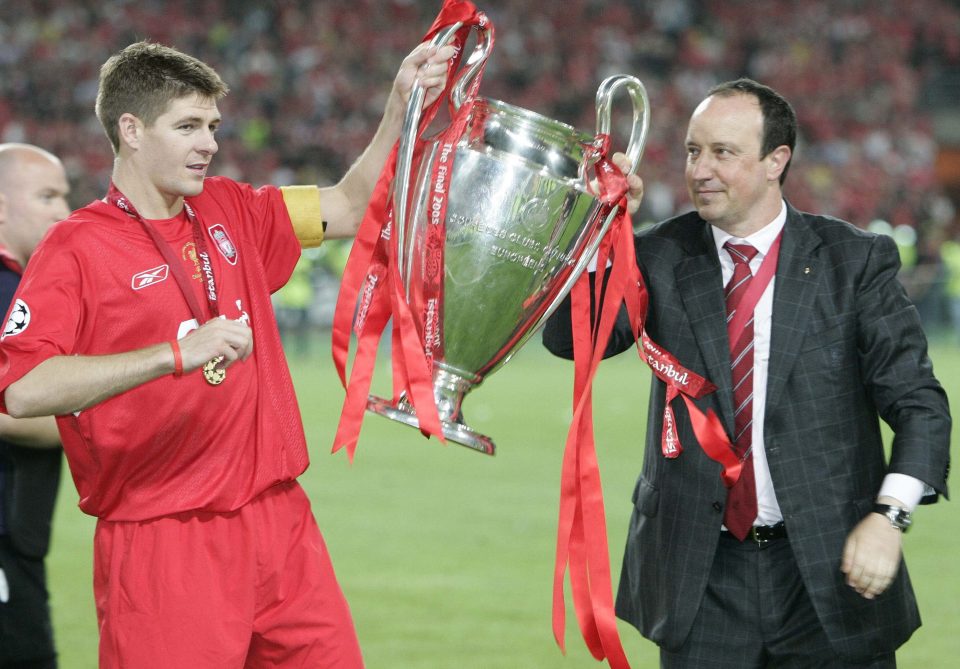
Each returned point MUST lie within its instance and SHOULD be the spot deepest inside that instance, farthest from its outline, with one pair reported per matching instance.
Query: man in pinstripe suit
(818, 580)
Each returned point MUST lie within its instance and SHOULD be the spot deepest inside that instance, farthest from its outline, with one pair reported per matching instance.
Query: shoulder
(223, 189)
(849, 255)
(96, 218)
(238, 205)
(213, 186)
(833, 230)
(86, 237)
(678, 236)
(676, 228)
(841, 239)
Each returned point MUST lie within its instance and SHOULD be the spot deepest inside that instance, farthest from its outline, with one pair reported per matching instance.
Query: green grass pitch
(446, 555)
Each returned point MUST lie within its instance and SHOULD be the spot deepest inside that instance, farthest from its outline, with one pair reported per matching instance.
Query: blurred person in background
(292, 304)
(144, 323)
(33, 196)
(928, 280)
(950, 252)
(801, 324)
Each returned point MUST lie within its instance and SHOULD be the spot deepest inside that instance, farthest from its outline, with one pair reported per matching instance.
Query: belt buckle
(764, 534)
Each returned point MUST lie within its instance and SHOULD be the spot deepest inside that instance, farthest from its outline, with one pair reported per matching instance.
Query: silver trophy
(521, 226)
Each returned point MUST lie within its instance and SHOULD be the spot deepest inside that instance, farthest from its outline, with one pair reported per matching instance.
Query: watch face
(897, 516)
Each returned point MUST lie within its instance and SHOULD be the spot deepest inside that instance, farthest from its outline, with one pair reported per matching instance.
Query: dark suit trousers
(26, 633)
(756, 613)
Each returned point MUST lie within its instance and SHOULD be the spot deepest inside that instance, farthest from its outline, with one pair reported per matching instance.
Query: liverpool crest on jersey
(220, 237)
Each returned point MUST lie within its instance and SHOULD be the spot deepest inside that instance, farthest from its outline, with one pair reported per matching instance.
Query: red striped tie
(741, 508)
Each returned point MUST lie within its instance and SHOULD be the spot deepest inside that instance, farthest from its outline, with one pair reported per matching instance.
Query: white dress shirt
(904, 488)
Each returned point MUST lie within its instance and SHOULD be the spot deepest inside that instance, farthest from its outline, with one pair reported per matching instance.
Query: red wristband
(177, 359)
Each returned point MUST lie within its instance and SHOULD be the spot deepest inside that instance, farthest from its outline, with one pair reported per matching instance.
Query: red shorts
(251, 588)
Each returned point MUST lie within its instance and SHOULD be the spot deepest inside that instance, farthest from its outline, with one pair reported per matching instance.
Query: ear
(3, 208)
(130, 129)
(777, 162)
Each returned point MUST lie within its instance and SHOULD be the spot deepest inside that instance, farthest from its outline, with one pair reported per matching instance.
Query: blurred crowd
(309, 80)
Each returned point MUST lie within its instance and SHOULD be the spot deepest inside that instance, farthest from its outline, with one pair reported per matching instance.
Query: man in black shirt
(33, 192)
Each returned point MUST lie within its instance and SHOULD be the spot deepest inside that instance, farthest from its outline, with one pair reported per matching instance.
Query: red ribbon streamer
(372, 285)
(581, 532)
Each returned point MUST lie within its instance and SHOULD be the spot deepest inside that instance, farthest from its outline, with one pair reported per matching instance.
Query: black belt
(761, 534)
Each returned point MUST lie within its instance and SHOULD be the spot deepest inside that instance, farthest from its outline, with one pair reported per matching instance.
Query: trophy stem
(454, 430)
(449, 389)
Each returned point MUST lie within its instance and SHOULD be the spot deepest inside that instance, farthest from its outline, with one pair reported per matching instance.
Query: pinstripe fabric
(846, 350)
(742, 497)
(756, 613)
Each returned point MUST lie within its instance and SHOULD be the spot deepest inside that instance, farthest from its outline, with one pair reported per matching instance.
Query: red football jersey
(98, 285)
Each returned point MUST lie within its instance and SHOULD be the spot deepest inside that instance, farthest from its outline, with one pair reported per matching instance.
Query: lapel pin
(806, 270)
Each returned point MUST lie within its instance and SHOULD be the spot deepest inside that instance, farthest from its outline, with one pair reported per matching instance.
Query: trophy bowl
(522, 222)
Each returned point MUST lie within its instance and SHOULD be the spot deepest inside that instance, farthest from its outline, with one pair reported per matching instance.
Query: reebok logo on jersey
(18, 321)
(149, 277)
(224, 243)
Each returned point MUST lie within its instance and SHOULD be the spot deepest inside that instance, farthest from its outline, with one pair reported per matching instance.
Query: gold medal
(214, 375)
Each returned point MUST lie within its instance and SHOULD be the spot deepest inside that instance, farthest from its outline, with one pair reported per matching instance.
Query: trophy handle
(408, 135)
(408, 138)
(641, 115)
(638, 138)
(458, 93)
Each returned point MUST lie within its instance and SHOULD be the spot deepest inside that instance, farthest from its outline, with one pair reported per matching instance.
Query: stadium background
(875, 84)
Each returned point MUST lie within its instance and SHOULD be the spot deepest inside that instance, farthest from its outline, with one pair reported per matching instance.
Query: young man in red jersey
(144, 324)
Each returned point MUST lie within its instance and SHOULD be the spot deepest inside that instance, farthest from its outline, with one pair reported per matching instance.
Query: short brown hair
(144, 78)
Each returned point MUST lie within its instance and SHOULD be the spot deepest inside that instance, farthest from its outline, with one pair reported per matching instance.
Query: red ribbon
(372, 278)
(581, 532)
(707, 428)
(751, 296)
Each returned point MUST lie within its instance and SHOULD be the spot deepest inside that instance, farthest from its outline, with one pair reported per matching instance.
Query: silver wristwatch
(899, 517)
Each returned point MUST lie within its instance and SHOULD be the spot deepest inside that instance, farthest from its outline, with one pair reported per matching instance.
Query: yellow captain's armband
(303, 205)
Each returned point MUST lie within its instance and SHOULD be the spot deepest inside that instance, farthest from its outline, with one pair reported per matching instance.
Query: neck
(758, 219)
(6, 250)
(145, 196)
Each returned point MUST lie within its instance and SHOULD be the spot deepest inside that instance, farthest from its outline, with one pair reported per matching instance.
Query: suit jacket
(846, 350)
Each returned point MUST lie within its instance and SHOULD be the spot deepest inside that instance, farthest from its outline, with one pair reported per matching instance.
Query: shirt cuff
(905, 488)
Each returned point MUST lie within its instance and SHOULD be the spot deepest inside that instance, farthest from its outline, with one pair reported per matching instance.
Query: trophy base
(454, 431)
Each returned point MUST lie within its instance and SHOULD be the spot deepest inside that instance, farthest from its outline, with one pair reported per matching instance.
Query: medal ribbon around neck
(211, 373)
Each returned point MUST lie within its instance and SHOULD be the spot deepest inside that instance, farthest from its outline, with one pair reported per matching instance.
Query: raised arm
(344, 204)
